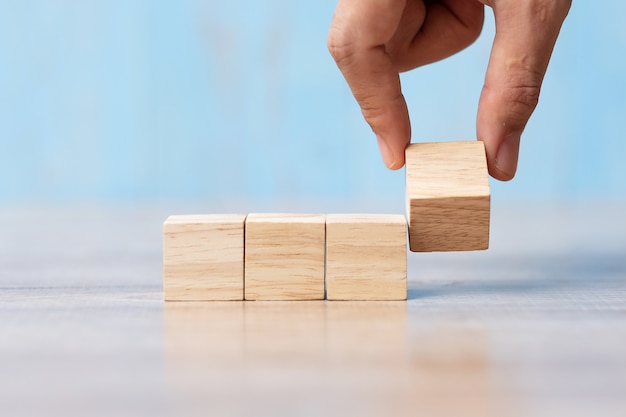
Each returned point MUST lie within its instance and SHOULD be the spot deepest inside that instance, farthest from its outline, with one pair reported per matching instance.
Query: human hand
(372, 41)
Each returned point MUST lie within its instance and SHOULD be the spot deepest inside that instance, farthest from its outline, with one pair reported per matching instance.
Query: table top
(535, 326)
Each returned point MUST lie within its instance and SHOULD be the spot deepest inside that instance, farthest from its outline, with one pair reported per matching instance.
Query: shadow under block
(447, 196)
(366, 257)
(284, 257)
(203, 257)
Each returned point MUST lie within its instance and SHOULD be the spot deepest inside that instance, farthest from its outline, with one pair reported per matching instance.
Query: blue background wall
(157, 101)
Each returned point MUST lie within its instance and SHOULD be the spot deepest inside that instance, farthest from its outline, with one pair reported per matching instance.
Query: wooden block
(203, 257)
(365, 257)
(284, 257)
(447, 196)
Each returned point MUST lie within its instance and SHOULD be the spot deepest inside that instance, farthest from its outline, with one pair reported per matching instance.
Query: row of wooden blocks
(340, 256)
(285, 257)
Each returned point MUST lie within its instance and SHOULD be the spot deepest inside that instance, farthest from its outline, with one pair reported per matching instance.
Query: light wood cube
(447, 196)
(284, 257)
(366, 257)
(203, 257)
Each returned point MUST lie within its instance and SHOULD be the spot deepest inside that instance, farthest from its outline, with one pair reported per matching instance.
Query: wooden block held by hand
(203, 257)
(366, 257)
(447, 196)
(284, 257)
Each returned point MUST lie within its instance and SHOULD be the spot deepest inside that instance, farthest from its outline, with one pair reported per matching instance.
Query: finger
(437, 31)
(356, 40)
(526, 31)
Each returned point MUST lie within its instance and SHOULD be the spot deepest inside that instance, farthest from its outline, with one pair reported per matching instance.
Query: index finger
(356, 40)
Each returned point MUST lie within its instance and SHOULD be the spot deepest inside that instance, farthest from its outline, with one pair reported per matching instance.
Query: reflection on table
(304, 358)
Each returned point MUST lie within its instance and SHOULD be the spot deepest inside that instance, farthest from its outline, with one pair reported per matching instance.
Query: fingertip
(385, 152)
(499, 175)
(396, 165)
(399, 164)
(393, 160)
(500, 133)
(504, 165)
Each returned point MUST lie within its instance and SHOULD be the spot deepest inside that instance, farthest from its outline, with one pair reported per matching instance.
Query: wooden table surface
(535, 326)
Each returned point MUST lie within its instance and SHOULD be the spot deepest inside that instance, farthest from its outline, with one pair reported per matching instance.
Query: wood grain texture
(203, 257)
(284, 257)
(447, 196)
(366, 257)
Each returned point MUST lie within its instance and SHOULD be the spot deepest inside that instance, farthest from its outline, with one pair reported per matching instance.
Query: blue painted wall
(143, 101)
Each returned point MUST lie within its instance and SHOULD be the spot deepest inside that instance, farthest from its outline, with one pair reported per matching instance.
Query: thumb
(526, 31)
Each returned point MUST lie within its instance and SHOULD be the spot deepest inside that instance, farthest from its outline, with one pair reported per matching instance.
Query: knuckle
(376, 112)
(521, 99)
(521, 90)
(371, 110)
(560, 7)
(549, 10)
(340, 44)
(517, 96)
(474, 30)
(564, 7)
(473, 25)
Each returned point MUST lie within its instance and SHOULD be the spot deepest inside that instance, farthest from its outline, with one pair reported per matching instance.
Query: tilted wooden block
(203, 257)
(284, 257)
(365, 257)
(447, 196)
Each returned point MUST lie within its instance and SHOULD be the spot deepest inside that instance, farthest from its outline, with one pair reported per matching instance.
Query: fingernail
(387, 154)
(508, 152)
